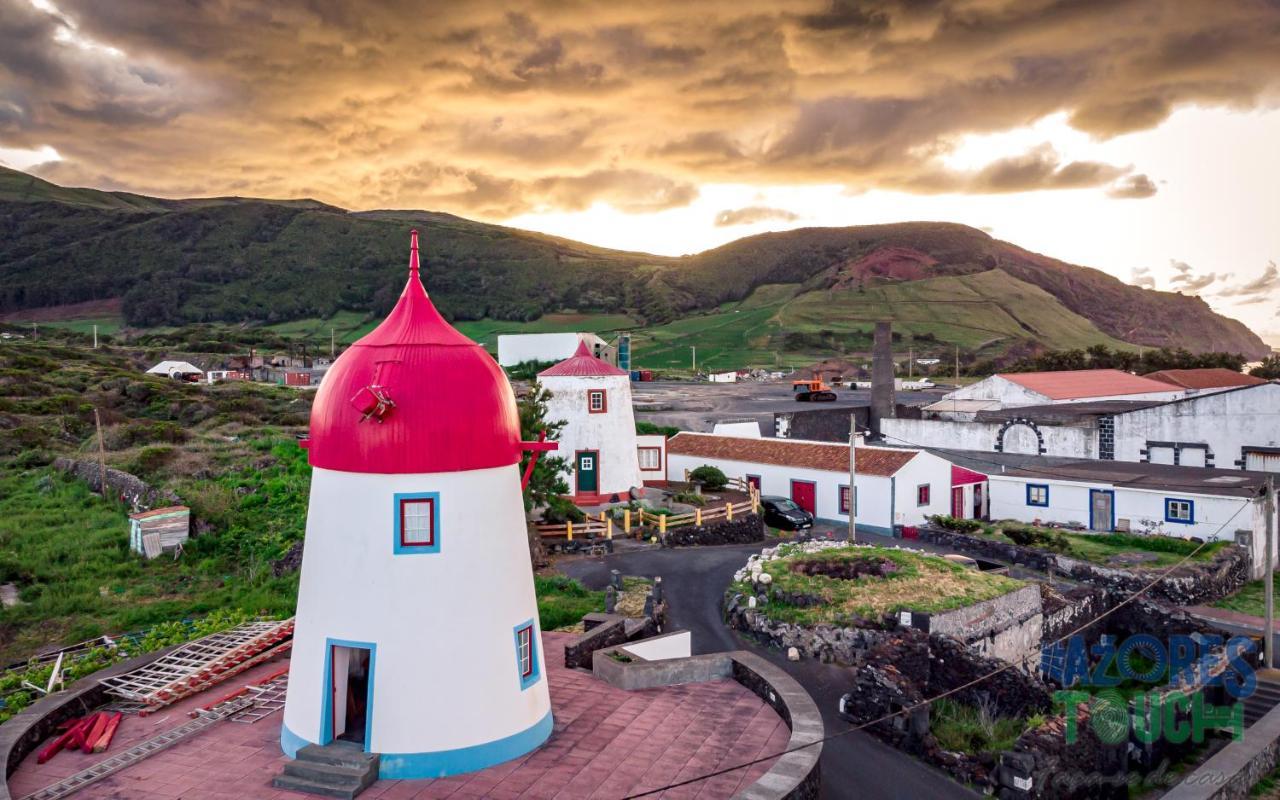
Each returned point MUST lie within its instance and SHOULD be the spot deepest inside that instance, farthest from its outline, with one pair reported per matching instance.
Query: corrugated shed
(582, 364)
(1074, 384)
(789, 453)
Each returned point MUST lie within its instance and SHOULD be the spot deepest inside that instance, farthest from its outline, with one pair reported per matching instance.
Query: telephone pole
(1269, 638)
(957, 364)
(95, 337)
(694, 350)
(333, 344)
(853, 475)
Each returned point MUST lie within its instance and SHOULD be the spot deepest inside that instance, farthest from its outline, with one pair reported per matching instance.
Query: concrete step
(313, 787)
(333, 774)
(343, 754)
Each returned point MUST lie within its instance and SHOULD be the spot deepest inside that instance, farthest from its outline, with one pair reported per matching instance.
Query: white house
(894, 486)
(417, 626)
(1209, 504)
(1231, 428)
(1068, 386)
(175, 369)
(518, 348)
(593, 399)
(651, 454)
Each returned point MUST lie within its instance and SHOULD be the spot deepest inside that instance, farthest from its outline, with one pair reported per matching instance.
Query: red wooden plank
(104, 741)
(95, 732)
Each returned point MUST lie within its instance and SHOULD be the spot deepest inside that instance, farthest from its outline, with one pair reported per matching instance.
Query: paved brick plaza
(607, 743)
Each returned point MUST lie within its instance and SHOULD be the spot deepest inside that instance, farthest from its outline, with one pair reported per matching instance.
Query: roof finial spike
(413, 251)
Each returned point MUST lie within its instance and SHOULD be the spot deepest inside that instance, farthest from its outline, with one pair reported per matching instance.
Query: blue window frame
(417, 523)
(526, 636)
(1179, 510)
(1037, 494)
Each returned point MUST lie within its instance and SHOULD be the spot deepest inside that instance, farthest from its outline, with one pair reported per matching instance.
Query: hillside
(174, 262)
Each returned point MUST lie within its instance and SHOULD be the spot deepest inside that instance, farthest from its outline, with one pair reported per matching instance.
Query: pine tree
(547, 480)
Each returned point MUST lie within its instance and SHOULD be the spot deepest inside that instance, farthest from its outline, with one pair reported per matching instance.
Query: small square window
(650, 458)
(597, 402)
(1037, 494)
(417, 523)
(1182, 511)
(922, 494)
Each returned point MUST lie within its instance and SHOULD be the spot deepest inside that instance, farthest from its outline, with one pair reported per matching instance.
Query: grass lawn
(1097, 548)
(106, 325)
(562, 602)
(1249, 600)
(915, 582)
(486, 331)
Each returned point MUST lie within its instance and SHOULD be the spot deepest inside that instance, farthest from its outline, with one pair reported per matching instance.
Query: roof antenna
(413, 251)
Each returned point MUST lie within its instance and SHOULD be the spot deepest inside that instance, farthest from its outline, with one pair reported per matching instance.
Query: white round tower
(417, 628)
(599, 438)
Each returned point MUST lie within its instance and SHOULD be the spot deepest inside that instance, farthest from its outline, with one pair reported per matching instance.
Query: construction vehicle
(812, 391)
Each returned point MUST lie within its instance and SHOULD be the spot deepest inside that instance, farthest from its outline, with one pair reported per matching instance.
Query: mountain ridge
(250, 259)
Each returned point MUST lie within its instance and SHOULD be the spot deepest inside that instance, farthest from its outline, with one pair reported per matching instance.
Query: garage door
(1160, 455)
(1262, 462)
(1191, 457)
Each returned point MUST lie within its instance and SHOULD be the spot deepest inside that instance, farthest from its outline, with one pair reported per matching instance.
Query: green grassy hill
(298, 263)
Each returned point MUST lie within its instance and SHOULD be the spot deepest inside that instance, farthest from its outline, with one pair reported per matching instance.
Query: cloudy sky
(1137, 136)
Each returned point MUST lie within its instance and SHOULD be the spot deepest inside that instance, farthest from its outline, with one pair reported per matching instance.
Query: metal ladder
(74, 783)
(267, 700)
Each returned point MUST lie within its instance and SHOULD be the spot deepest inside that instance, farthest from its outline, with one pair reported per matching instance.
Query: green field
(106, 325)
(487, 331)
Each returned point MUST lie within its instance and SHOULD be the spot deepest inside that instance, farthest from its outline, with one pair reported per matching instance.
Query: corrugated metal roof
(789, 453)
(581, 365)
(1207, 378)
(1078, 383)
(155, 512)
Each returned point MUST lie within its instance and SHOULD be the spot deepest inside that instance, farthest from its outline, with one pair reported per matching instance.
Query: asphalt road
(856, 765)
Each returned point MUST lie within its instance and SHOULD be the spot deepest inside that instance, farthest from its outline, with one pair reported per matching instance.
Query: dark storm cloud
(750, 214)
(629, 104)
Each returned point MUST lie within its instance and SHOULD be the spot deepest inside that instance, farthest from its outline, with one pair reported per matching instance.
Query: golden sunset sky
(1140, 137)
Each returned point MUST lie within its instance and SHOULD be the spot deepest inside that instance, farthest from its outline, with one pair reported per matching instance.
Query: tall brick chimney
(882, 396)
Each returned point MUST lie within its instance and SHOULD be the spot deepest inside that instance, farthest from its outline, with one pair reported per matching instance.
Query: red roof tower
(414, 396)
(582, 364)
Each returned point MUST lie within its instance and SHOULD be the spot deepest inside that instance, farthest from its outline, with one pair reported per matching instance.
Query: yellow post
(609, 530)
(662, 523)
(568, 526)
(626, 521)
(697, 516)
(755, 500)
(728, 512)
(602, 516)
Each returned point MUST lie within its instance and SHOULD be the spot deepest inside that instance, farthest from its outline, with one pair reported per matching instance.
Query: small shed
(159, 530)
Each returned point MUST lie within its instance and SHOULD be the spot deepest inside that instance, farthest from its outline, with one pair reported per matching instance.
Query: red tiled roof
(1208, 378)
(582, 365)
(1078, 383)
(788, 453)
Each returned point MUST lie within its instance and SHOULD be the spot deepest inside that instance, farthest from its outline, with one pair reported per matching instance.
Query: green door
(588, 471)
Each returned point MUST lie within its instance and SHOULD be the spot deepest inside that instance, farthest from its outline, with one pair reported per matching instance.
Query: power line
(929, 701)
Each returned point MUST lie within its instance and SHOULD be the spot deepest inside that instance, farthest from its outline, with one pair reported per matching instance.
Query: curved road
(856, 765)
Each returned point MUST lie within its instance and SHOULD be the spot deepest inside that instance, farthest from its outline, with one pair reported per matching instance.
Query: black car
(779, 512)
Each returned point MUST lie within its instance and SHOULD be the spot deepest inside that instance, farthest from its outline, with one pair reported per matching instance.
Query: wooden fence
(602, 526)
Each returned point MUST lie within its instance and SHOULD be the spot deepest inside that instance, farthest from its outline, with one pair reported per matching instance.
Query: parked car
(779, 512)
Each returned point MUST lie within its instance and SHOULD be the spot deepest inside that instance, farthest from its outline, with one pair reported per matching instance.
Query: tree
(546, 481)
(1268, 369)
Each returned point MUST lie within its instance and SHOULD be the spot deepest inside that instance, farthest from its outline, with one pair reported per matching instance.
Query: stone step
(332, 774)
(343, 754)
(295, 784)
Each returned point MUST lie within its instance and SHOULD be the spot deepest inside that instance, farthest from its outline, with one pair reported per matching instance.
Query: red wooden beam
(538, 448)
(104, 741)
(95, 732)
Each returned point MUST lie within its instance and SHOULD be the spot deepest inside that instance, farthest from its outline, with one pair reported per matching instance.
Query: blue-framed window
(1037, 494)
(526, 635)
(1177, 509)
(417, 523)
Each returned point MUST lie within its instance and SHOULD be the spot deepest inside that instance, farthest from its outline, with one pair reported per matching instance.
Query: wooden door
(957, 502)
(587, 471)
(1101, 509)
(805, 494)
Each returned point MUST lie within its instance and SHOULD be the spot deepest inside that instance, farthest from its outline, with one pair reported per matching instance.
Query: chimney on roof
(882, 397)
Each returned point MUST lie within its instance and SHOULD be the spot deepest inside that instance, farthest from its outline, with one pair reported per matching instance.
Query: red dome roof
(583, 365)
(414, 395)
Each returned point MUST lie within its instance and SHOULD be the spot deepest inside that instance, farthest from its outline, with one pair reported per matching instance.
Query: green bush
(956, 523)
(710, 477)
(648, 428)
(689, 498)
(1031, 536)
(560, 510)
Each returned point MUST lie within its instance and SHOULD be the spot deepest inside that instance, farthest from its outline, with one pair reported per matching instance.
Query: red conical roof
(414, 395)
(583, 365)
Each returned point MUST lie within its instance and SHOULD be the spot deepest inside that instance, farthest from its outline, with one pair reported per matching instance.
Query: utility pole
(333, 344)
(911, 363)
(694, 349)
(1269, 638)
(35, 331)
(95, 337)
(853, 475)
(957, 364)
(102, 453)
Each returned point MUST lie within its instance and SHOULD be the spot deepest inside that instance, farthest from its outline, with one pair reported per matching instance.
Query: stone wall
(744, 529)
(1008, 627)
(129, 488)
(1189, 584)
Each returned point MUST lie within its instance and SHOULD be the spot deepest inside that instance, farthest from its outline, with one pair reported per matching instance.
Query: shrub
(1030, 536)
(710, 477)
(560, 510)
(956, 523)
(689, 498)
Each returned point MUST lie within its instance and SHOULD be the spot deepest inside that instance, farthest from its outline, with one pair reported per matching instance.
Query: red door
(957, 502)
(754, 480)
(804, 494)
